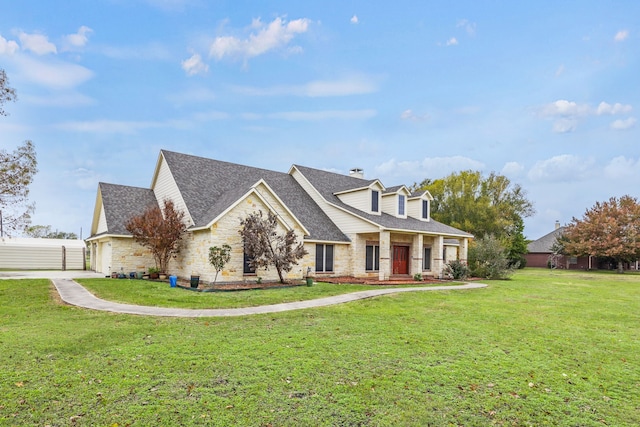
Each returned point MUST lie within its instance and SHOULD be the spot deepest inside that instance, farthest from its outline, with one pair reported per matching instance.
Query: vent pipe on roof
(557, 224)
(357, 173)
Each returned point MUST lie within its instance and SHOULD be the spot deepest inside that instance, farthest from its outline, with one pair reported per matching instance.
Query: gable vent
(357, 173)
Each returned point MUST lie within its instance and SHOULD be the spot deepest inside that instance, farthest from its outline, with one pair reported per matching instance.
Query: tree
(17, 170)
(160, 230)
(7, 93)
(44, 232)
(265, 247)
(488, 259)
(608, 229)
(219, 257)
(482, 206)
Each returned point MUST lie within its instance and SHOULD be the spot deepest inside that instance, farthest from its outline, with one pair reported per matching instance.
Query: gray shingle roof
(210, 186)
(328, 183)
(122, 202)
(544, 244)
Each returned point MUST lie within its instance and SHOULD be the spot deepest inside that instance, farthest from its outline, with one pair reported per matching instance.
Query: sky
(546, 93)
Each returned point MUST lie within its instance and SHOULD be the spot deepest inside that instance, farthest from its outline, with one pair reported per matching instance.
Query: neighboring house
(350, 226)
(540, 255)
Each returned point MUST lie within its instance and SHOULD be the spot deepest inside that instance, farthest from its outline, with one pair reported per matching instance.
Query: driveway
(49, 274)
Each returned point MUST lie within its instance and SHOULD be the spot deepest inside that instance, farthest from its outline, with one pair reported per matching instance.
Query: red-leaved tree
(608, 229)
(160, 230)
(266, 247)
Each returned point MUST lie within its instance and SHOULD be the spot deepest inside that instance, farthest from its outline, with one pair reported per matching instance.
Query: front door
(400, 260)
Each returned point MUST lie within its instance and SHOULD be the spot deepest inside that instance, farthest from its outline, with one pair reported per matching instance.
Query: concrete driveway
(49, 274)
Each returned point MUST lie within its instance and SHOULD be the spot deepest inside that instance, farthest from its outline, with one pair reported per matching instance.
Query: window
(401, 204)
(247, 269)
(425, 209)
(372, 262)
(375, 195)
(324, 258)
(426, 258)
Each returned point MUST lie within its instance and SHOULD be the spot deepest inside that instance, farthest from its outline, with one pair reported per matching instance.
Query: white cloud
(622, 168)
(560, 70)
(452, 42)
(53, 74)
(565, 125)
(429, 167)
(71, 99)
(79, 39)
(512, 169)
(85, 179)
(562, 107)
(277, 34)
(8, 47)
(623, 124)
(37, 43)
(413, 117)
(356, 85)
(354, 19)
(211, 116)
(194, 65)
(470, 27)
(196, 94)
(621, 35)
(108, 126)
(323, 115)
(617, 108)
(562, 168)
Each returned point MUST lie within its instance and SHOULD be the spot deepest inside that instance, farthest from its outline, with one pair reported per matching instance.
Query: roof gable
(121, 202)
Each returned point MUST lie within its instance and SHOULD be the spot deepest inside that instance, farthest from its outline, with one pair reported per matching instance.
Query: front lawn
(546, 348)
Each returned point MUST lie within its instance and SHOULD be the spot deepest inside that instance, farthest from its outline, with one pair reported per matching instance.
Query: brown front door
(400, 260)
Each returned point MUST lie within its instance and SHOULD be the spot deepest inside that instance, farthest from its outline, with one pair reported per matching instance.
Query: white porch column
(385, 256)
(464, 250)
(416, 254)
(437, 253)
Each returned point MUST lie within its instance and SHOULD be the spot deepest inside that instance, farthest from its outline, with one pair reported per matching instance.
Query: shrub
(456, 270)
(488, 259)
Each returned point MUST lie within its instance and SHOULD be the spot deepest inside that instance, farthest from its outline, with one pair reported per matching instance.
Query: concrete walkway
(73, 293)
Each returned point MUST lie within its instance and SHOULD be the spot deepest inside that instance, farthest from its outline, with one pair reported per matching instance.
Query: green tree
(608, 229)
(7, 93)
(219, 257)
(266, 247)
(44, 231)
(482, 206)
(488, 259)
(17, 170)
(160, 230)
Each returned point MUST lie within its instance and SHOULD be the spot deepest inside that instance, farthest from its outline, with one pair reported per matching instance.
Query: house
(540, 254)
(350, 226)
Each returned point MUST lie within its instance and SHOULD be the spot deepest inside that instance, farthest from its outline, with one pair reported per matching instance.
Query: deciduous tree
(45, 232)
(608, 229)
(7, 93)
(160, 230)
(219, 257)
(266, 247)
(17, 170)
(482, 206)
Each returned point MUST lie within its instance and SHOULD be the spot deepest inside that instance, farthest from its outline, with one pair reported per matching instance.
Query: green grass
(160, 294)
(546, 348)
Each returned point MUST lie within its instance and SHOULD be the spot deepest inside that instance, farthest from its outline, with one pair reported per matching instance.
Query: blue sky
(546, 93)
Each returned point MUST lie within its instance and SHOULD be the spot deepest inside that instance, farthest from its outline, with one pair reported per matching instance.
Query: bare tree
(266, 247)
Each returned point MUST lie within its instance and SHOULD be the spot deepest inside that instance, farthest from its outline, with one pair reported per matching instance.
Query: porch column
(437, 253)
(385, 256)
(416, 254)
(464, 250)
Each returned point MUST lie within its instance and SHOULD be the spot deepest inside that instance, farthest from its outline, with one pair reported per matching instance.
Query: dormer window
(375, 197)
(401, 205)
(425, 209)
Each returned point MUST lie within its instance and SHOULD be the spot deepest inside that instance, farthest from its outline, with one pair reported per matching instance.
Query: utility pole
(1, 230)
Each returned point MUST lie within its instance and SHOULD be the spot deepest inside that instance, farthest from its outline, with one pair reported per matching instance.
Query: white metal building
(18, 253)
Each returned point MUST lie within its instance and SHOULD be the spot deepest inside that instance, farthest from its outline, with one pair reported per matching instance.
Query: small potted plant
(154, 272)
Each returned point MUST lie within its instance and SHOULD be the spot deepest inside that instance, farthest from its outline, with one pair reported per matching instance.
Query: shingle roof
(328, 183)
(544, 244)
(122, 202)
(210, 186)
